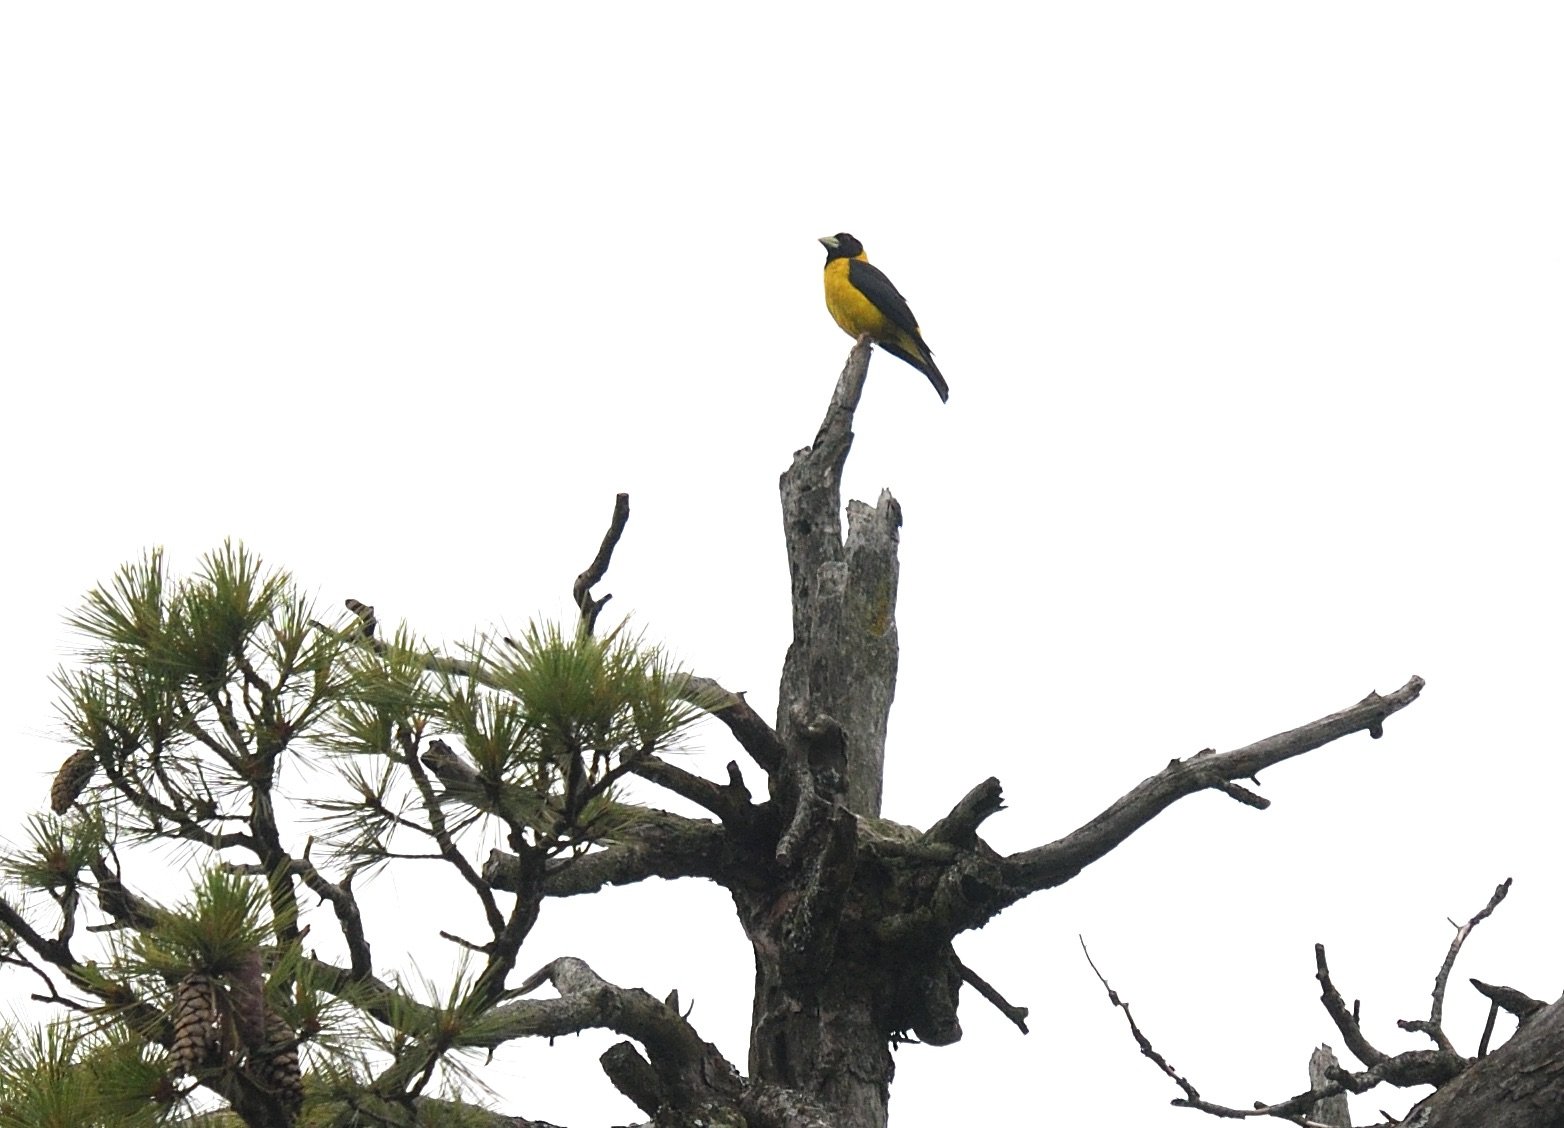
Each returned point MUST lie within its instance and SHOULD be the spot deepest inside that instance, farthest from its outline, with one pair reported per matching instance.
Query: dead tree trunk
(820, 1022)
(841, 666)
(852, 917)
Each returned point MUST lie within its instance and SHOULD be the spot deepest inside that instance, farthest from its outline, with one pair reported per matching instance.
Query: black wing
(873, 284)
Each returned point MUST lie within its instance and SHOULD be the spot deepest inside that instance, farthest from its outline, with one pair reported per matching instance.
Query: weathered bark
(1331, 1110)
(821, 1021)
(842, 662)
(1519, 1085)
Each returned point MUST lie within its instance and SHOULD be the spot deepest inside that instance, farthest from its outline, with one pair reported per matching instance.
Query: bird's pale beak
(829, 242)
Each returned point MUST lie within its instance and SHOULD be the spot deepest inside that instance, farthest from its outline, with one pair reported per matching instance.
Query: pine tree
(198, 698)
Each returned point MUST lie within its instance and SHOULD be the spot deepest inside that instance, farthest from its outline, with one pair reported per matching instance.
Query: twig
(1295, 1109)
(1436, 1015)
(1141, 1040)
(582, 591)
(1346, 1022)
(1014, 1013)
(1493, 1014)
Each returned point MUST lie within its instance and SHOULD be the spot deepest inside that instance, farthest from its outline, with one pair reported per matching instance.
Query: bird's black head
(841, 245)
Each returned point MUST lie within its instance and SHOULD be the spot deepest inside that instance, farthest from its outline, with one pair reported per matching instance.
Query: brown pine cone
(72, 779)
(278, 1067)
(197, 1025)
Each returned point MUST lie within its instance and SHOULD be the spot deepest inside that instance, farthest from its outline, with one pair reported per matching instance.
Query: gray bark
(1331, 1110)
(842, 662)
(1519, 1085)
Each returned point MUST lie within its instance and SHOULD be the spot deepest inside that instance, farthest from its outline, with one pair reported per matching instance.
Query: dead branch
(1146, 1048)
(1294, 1109)
(1436, 1013)
(1438, 1067)
(1014, 1013)
(595, 571)
(754, 735)
(730, 802)
(1522, 1006)
(690, 1073)
(1346, 1021)
(959, 828)
(1057, 862)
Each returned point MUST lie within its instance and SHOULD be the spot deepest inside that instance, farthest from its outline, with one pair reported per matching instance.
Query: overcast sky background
(1250, 314)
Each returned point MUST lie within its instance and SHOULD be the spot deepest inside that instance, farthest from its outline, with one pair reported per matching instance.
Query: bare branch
(1057, 862)
(754, 735)
(1515, 1086)
(959, 828)
(1436, 1014)
(1295, 1109)
(1522, 1006)
(582, 590)
(1493, 1014)
(1014, 1013)
(1146, 1048)
(690, 1072)
(632, 1075)
(419, 769)
(1346, 1021)
(730, 803)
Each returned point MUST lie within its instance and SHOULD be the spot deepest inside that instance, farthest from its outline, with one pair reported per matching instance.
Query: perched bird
(864, 302)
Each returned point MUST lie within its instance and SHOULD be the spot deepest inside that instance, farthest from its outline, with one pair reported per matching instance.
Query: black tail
(924, 364)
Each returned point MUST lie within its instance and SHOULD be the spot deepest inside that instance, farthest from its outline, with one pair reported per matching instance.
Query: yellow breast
(851, 310)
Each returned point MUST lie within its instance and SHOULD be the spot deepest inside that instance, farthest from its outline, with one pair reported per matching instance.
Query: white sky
(1250, 317)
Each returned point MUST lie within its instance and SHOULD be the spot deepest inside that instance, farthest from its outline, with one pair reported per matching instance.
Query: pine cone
(278, 1067)
(197, 1025)
(72, 779)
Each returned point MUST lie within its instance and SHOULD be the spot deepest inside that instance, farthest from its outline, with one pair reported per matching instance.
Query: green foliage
(549, 722)
(70, 1075)
(226, 919)
(192, 689)
(613, 694)
(189, 632)
(57, 851)
(203, 702)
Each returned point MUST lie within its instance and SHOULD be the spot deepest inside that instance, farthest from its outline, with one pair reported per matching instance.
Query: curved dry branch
(581, 590)
(1346, 1021)
(1442, 979)
(729, 802)
(754, 735)
(690, 1073)
(681, 1072)
(1057, 862)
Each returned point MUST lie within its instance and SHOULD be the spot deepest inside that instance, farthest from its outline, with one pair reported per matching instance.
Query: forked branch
(1438, 1067)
